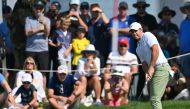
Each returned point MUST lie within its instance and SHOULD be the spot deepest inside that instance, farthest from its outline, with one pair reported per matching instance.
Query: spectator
(177, 84)
(63, 39)
(28, 94)
(124, 62)
(153, 62)
(37, 79)
(63, 91)
(5, 34)
(97, 33)
(76, 20)
(123, 24)
(5, 92)
(37, 30)
(88, 72)
(52, 14)
(165, 25)
(84, 9)
(184, 41)
(147, 20)
(79, 44)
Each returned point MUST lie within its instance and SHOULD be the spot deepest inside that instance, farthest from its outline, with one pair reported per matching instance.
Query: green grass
(146, 105)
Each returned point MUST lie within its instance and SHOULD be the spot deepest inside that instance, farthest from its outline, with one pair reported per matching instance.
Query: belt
(161, 64)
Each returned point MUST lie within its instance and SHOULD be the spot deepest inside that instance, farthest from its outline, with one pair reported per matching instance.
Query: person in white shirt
(37, 79)
(88, 71)
(153, 62)
(124, 62)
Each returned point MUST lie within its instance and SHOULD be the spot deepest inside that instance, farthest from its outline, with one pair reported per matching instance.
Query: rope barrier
(101, 69)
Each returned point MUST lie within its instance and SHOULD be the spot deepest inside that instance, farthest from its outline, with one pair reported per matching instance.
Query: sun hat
(27, 78)
(166, 9)
(90, 49)
(62, 69)
(141, 2)
(185, 6)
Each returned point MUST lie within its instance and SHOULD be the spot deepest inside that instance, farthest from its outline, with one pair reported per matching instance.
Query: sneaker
(98, 103)
(87, 101)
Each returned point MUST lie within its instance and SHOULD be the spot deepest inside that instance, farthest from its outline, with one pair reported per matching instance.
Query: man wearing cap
(121, 61)
(147, 20)
(123, 24)
(63, 91)
(184, 41)
(76, 20)
(84, 9)
(37, 29)
(154, 63)
(165, 25)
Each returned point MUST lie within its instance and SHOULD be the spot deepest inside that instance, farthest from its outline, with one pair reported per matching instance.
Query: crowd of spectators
(76, 45)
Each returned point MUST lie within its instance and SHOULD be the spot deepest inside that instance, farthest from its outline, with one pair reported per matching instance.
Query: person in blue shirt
(123, 25)
(63, 91)
(28, 94)
(5, 92)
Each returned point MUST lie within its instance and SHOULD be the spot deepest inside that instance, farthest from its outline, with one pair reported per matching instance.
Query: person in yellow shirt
(79, 44)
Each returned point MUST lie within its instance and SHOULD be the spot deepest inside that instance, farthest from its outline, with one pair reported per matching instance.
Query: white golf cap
(27, 78)
(62, 69)
(135, 26)
(77, 2)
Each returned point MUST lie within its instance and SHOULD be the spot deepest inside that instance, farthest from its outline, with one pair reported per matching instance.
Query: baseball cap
(123, 4)
(84, 5)
(77, 2)
(123, 41)
(39, 3)
(81, 29)
(62, 69)
(135, 26)
(27, 78)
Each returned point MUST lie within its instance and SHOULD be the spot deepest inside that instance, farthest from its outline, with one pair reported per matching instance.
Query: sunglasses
(141, 7)
(122, 45)
(26, 82)
(27, 63)
(86, 8)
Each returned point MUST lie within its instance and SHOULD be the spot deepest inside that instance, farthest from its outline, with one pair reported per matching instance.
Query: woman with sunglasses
(119, 62)
(30, 67)
(28, 94)
(88, 71)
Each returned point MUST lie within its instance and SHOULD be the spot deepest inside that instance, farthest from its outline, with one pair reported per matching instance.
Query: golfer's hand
(149, 73)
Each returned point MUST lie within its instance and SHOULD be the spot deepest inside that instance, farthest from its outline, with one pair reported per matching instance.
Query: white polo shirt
(122, 63)
(144, 49)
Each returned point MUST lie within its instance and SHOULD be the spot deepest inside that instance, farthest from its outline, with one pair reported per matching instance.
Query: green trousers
(158, 85)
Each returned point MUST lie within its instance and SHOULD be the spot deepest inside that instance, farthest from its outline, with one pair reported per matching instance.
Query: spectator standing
(37, 29)
(184, 42)
(123, 24)
(63, 91)
(125, 63)
(147, 20)
(97, 33)
(165, 25)
(88, 71)
(79, 44)
(84, 9)
(154, 63)
(63, 38)
(5, 33)
(76, 20)
(52, 14)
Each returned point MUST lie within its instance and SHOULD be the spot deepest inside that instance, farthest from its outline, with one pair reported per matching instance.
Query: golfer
(153, 62)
